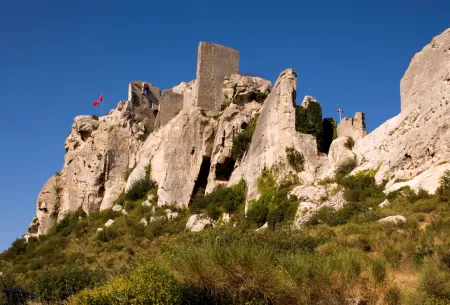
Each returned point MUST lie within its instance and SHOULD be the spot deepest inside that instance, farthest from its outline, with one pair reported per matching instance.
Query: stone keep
(214, 63)
(354, 128)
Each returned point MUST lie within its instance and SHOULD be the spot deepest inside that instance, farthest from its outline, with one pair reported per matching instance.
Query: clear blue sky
(56, 57)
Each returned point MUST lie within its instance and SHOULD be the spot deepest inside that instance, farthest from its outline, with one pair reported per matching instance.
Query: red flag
(339, 110)
(95, 104)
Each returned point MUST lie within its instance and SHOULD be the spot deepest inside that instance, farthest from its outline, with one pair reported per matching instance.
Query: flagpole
(101, 107)
(340, 117)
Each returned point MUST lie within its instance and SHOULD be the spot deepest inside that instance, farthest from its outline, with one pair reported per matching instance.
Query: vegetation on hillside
(242, 141)
(337, 257)
(309, 120)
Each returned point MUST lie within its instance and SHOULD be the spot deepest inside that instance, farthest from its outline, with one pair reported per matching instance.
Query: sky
(56, 57)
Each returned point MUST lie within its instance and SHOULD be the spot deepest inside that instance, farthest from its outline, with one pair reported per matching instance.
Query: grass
(342, 255)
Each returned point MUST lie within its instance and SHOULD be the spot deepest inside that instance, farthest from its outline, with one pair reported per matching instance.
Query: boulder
(384, 203)
(312, 193)
(109, 223)
(394, 219)
(198, 222)
(117, 208)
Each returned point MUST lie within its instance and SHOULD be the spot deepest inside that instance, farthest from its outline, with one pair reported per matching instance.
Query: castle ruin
(155, 108)
(353, 127)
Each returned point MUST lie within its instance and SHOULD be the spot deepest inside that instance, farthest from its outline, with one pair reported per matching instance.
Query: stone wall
(213, 64)
(171, 104)
(144, 100)
(355, 128)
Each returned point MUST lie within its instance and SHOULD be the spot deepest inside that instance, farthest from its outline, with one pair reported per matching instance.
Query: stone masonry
(144, 101)
(214, 63)
(354, 128)
(171, 105)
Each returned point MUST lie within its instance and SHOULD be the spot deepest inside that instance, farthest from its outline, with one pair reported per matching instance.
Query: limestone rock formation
(185, 134)
(413, 148)
(314, 197)
(275, 131)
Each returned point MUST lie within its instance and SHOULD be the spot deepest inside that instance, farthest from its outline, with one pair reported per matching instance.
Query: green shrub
(273, 205)
(242, 141)
(344, 169)
(295, 159)
(144, 285)
(443, 190)
(309, 121)
(68, 224)
(350, 143)
(379, 270)
(360, 187)
(107, 234)
(139, 189)
(58, 285)
(393, 296)
(257, 212)
(18, 247)
(435, 281)
(221, 200)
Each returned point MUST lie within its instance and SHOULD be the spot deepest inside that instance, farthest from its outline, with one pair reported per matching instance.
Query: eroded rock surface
(413, 148)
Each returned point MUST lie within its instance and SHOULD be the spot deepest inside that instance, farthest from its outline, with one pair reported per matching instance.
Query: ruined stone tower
(213, 64)
(353, 127)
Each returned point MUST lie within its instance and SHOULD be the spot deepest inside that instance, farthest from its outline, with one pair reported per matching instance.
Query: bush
(107, 234)
(309, 121)
(221, 200)
(242, 141)
(393, 296)
(68, 224)
(344, 169)
(379, 270)
(350, 143)
(139, 189)
(144, 285)
(435, 281)
(443, 190)
(360, 187)
(295, 159)
(257, 212)
(273, 205)
(58, 285)
(18, 247)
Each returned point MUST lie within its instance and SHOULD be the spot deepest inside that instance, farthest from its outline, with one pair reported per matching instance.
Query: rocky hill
(186, 136)
(303, 210)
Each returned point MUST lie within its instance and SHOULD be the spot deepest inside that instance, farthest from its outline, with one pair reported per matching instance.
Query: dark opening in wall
(224, 170)
(134, 99)
(329, 134)
(146, 89)
(202, 178)
(150, 104)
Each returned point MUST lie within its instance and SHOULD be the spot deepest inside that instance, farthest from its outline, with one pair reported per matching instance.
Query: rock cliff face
(186, 134)
(413, 148)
